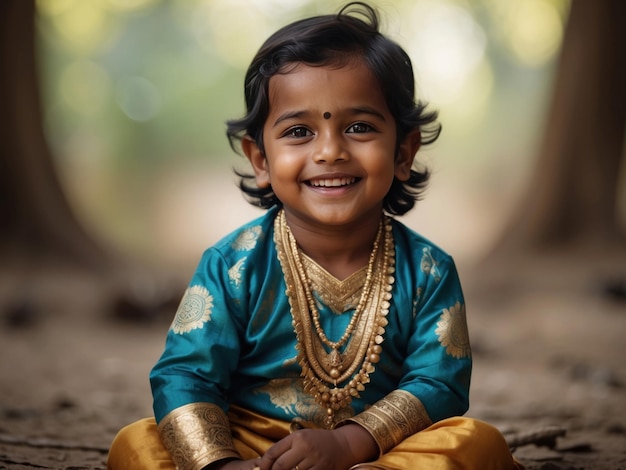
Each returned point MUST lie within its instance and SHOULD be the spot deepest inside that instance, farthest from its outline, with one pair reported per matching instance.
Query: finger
(289, 461)
(256, 464)
(275, 452)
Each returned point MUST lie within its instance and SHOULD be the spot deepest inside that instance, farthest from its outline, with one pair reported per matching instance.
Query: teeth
(332, 182)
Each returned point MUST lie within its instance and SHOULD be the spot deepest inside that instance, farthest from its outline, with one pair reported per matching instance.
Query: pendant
(335, 359)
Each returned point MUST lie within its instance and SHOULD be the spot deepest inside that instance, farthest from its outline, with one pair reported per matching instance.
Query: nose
(330, 148)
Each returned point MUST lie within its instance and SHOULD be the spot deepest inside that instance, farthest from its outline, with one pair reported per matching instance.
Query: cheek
(384, 166)
(285, 162)
(280, 173)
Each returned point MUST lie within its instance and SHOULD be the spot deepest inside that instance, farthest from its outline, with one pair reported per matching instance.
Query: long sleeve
(204, 328)
(429, 339)
(213, 341)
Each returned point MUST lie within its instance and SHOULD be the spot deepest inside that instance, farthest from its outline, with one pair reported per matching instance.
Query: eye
(297, 132)
(360, 128)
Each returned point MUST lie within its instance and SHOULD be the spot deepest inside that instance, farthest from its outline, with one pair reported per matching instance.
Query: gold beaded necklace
(323, 372)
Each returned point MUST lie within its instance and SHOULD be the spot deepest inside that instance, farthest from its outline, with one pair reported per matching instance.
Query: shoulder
(232, 261)
(248, 237)
(414, 245)
(250, 244)
(421, 265)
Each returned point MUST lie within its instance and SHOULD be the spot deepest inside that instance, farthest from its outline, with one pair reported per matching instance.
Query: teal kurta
(232, 339)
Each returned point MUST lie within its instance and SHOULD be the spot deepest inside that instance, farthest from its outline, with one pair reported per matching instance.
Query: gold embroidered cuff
(196, 435)
(393, 419)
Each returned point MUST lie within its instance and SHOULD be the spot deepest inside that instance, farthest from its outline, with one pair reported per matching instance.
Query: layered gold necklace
(334, 372)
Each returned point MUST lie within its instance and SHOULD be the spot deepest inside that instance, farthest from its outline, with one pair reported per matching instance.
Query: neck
(339, 250)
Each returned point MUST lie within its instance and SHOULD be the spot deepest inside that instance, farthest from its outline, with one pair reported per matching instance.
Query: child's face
(330, 144)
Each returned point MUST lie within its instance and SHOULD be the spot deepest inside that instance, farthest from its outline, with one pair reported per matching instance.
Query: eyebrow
(289, 115)
(352, 111)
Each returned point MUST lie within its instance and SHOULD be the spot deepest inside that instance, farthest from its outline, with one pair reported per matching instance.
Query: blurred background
(114, 147)
(135, 94)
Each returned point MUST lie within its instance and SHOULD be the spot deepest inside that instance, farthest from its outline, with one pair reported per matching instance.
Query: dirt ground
(548, 342)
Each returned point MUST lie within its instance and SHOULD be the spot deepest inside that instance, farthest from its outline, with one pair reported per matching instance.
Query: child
(324, 335)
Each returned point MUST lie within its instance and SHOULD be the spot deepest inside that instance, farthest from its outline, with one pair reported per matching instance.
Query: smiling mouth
(332, 182)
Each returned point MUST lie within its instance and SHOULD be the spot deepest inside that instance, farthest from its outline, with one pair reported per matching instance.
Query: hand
(317, 449)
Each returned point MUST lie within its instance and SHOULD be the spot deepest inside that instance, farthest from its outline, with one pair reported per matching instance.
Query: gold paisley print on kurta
(429, 265)
(234, 273)
(194, 310)
(247, 239)
(452, 331)
(288, 394)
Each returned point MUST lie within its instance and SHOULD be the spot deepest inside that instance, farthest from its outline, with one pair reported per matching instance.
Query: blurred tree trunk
(36, 221)
(572, 198)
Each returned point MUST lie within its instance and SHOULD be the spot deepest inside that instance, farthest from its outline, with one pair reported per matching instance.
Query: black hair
(337, 40)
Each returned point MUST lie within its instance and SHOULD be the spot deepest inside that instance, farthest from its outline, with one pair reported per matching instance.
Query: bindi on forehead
(327, 115)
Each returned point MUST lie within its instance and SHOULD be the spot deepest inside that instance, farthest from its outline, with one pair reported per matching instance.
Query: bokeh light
(138, 98)
(85, 86)
(531, 30)
(446, 47)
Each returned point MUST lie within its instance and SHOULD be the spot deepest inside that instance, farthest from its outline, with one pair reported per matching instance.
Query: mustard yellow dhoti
(453, 443)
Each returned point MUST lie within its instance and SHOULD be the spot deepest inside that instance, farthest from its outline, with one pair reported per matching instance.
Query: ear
(257, 160)
(406, 154)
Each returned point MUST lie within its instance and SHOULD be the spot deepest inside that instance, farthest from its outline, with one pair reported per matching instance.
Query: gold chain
(315, 314)
(322, 374)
